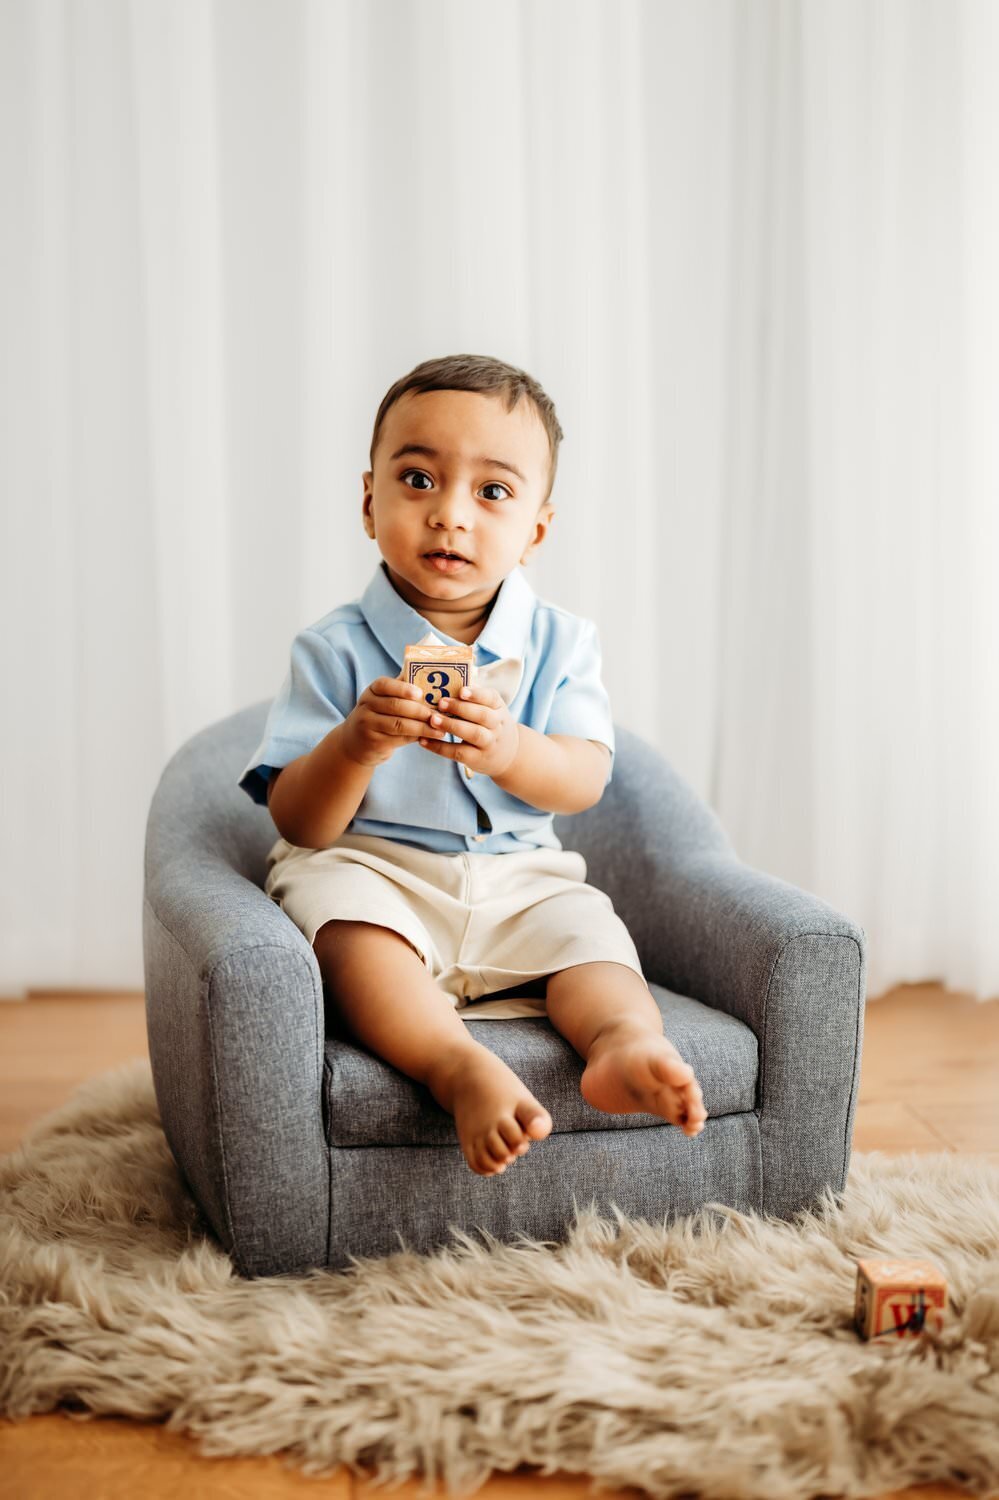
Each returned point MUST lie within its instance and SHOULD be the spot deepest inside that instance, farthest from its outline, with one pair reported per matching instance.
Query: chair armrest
(779, 959)
(234, 1013)
(794, 970)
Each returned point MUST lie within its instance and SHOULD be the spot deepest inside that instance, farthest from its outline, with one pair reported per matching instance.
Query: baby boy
(411, 914)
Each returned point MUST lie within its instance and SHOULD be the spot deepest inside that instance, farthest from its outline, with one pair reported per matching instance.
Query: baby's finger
(394, 687)
(463, 728)
(447, 748)
(387, 695)
(488, 697)
(462, 711)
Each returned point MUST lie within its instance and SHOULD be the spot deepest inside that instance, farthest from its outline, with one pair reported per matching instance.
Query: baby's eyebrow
(495, 463)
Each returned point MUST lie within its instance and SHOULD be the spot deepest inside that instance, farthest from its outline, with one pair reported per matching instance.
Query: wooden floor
(928, 1083)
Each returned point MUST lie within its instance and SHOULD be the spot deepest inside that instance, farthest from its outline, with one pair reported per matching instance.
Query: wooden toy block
(439, 671)
(898, 1298)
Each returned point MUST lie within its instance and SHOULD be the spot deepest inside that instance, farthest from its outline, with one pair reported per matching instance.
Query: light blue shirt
(416, 796)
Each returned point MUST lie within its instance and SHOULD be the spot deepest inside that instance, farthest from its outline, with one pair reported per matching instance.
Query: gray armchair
(303, 1149)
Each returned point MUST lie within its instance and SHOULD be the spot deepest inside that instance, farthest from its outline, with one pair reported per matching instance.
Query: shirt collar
(397, 625)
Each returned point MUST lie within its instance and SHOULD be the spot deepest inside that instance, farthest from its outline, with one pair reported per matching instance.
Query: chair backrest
(198, 810)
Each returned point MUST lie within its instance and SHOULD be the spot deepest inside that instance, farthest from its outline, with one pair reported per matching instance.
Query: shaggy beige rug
(714, 1357)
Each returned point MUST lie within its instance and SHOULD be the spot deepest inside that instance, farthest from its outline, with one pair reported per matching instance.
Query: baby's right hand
(390, 713)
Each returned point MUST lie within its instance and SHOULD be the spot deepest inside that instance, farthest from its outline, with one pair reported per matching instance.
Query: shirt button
(478, 837)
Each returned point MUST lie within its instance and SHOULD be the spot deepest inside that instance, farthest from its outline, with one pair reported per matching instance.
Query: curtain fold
(749, 252)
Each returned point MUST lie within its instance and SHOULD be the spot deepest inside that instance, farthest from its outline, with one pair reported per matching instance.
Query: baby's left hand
(485, 726)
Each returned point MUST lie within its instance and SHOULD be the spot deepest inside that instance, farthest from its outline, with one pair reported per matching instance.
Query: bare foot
(632, 1070)
(495, 1114)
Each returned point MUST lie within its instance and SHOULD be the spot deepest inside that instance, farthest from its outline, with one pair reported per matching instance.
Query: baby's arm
(319, 793)
(559, 773)
(313, 799)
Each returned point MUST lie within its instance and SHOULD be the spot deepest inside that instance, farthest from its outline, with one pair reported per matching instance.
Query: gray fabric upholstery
(304, 1150)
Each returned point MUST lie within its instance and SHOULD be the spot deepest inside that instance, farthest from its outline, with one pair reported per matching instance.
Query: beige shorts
(479, 922)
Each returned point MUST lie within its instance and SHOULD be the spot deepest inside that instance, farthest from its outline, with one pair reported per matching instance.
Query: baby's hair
(477, 372)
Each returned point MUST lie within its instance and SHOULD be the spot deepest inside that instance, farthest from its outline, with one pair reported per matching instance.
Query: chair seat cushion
(367, 1102)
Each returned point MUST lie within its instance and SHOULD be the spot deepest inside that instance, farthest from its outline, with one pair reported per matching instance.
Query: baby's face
(462, 497)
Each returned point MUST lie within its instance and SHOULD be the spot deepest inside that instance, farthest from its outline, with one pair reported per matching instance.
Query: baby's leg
(608, 1013)
(383, 991)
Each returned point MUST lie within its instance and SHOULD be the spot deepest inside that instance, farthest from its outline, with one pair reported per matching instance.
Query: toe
(673, 1107)
(536, 1122)
(669, 1067)
(695, 1104)
(512, 1134)
(486, 1166)
(696, 1114)
(497, 1147)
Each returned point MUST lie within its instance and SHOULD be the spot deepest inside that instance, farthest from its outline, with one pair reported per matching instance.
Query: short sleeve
(317, 694)
(581, 705)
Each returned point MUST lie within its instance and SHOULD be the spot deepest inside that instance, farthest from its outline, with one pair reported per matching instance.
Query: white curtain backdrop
(750, 250)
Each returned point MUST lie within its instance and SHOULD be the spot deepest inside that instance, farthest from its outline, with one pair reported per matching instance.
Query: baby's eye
(492, 484)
